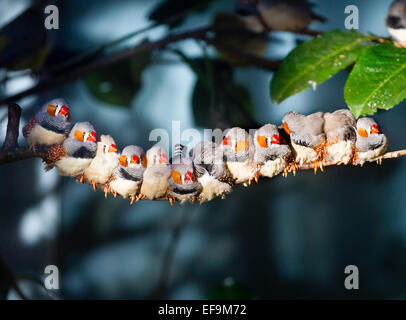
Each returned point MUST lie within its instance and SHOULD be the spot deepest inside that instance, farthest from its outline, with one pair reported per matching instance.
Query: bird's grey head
(55, 116)
(157, 155)
(396, 18)
(266, 137)
(369, 135)
(82, 140)
(236, 145)
(183, 174)
(133, 163)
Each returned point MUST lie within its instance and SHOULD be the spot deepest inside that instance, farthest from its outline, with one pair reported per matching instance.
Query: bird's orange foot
(80, 178)
(132, 199)
(94, 185)
(379, 161)
(171, 200)
(318, 164)
(193, 200)
(139, 197)
(292, 167)
(115, 194)
(106, 190)
(257, 174)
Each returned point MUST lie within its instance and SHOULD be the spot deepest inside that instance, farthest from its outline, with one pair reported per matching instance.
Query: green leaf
(316, 61)
(117, 84)
(377, 81)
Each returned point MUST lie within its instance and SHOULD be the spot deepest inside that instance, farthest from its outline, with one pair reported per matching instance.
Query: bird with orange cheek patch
(127, 177)
(156, 176)
(272, 154)
(103, 164)
(371, 142)
(307, 137)
(183, 184)
(76, 153)
(50, 124)
(238, 151)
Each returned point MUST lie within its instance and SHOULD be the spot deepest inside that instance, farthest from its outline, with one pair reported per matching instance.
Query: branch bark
(13, 125)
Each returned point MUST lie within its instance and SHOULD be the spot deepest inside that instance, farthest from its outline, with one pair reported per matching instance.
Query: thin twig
(107, 61)
(157, 293)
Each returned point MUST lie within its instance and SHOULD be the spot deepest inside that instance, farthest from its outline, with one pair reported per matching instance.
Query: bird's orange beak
(286, 127)
(113, 148)
(241, 145)
(64, 111)
(275, 139)
(163, 158)
(374, 129)
(135, 159)
(189, 176)
(92, 136)
(123, 160)
(227, 141)
(262, 141)
(144, 161)
(363, 133)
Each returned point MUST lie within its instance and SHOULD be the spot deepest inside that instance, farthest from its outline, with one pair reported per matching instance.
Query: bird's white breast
(155, 182)
(101, 168)
(242, 172)
(304, 155)
(398, 34)
(124, 188)
(342, 151)
(70, 166)
(370, 155)
(212, 187)
(39, 135)
(272, 168)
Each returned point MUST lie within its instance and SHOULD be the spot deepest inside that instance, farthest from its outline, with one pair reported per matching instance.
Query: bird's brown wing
(29, 126)
(54, 153)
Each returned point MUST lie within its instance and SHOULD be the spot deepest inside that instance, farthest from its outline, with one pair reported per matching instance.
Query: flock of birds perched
(208, 170)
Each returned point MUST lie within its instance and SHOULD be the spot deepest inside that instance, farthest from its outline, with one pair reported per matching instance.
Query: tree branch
(13, 125)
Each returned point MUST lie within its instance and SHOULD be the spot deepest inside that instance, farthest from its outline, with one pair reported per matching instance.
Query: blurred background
(280, 238)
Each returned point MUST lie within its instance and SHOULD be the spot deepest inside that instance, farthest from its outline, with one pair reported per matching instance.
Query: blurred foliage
(371, 85)
(117, 84)
(216, 85)
(170, 8)
(240, 40)
(230, 289)
(28, 42)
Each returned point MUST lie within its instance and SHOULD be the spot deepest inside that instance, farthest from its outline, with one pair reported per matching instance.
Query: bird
(238, 151)
(282, 15)
(396, 21)
(156, 175)
(25, 41)
(211, 171)
(341, 136)
(103, 164)
(272, 154)
(307, 137)
(183, 184)
(76, 152)
(49, 125)
(371, 141)
(127, 177)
